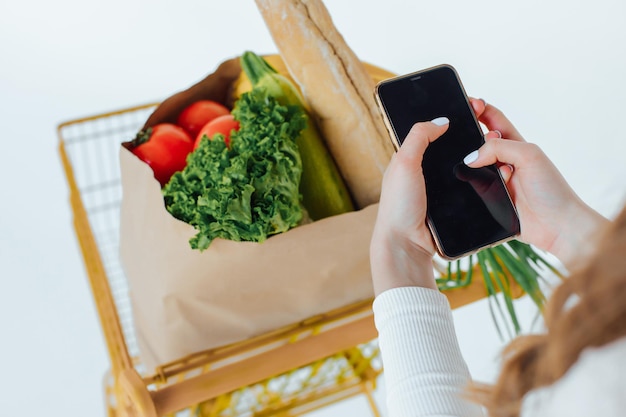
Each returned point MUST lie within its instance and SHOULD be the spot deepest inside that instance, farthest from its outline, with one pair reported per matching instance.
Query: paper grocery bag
(185, 301)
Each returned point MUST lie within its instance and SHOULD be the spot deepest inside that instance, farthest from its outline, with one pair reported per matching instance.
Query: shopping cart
(286, 372)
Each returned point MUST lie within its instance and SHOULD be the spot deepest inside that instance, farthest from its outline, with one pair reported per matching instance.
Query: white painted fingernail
(440, 121)
(471, 157)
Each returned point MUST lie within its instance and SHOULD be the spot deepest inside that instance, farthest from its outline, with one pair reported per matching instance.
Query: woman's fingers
(421, 135)
(494, 119)
(506, 171)
(504, 151)
(493, 134)
(478, 105)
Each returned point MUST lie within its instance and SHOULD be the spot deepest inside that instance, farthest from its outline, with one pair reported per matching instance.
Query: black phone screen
(468, 208)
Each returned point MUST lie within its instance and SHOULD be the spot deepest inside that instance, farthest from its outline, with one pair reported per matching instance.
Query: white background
(556, 68)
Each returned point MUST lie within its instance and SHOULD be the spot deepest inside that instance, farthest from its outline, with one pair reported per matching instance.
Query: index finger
(494, 119)
(478, 105)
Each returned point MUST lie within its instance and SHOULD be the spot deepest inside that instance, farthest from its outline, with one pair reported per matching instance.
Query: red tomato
(223, 124)
(165, 148)
(197, 114)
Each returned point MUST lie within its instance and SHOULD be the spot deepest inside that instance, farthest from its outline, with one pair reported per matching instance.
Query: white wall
(555, 67)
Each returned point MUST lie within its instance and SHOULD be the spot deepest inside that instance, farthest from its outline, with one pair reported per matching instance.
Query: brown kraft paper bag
(185, 301)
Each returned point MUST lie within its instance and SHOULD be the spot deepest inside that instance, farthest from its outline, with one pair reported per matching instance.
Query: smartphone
(468, 209)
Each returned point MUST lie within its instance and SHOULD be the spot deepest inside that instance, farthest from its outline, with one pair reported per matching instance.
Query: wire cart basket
(286, 372)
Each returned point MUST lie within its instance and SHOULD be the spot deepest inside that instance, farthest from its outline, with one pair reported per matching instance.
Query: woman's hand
(552, 216)
(402, 248)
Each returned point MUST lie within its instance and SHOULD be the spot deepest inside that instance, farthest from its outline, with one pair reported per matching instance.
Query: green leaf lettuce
(249, 191)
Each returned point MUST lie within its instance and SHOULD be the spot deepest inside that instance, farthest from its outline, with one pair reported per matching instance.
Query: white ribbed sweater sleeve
(424, 371)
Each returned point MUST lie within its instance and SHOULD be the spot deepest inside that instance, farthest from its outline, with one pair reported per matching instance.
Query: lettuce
(249, 191)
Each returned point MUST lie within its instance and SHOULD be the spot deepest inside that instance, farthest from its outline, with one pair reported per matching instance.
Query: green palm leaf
(502, 267)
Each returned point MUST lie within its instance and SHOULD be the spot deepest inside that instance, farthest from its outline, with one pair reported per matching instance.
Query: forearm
(425, 373)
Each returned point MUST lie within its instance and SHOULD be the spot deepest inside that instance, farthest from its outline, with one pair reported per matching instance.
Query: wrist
(579, 236)
(399, 262)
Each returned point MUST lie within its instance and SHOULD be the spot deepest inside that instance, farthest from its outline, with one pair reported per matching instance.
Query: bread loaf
(338, 89)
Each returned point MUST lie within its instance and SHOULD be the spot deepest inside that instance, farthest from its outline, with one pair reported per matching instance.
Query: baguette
(338, 89)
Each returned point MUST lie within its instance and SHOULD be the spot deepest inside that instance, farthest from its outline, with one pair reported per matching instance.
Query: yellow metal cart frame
(287, 372)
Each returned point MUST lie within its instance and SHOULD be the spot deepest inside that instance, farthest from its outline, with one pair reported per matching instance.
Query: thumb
(422, 134)
(504, 151)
